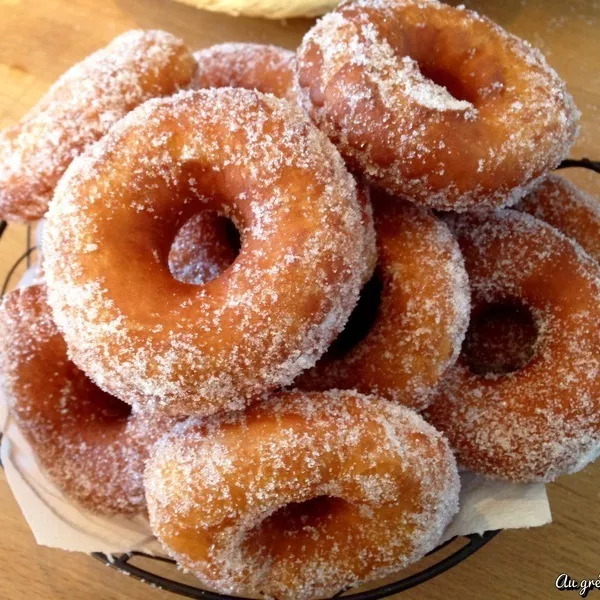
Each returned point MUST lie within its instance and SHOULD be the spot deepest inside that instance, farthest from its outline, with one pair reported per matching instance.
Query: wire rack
(163, 573)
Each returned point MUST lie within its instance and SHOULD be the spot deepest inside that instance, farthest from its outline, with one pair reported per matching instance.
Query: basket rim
(475, 542)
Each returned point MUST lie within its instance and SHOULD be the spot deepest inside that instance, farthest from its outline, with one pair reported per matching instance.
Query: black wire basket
(163, 573)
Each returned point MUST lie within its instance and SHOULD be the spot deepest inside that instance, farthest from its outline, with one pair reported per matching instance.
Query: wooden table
(40, 39)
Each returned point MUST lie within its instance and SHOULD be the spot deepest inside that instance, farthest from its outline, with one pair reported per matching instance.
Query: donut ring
(86, 442)
(302, 495)
(433, 102)
(422, 316)
(161, 344)
(202, 249)
(205, 246)
(265, 68)
(79, 109)
(542, 420)
(577, 214)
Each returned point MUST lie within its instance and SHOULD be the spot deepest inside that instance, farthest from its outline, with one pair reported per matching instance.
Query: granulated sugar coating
(302, 495)
(421, 318)
(202, 249)
(571, 210)
(84, 439)
(266, 68)
(162, 344)
(543, 420)
(79, 109)
(434, 102)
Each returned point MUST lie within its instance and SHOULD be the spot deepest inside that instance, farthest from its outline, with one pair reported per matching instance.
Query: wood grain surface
(41, 39)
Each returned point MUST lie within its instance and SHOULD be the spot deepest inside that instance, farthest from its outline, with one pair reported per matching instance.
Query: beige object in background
(269, 9)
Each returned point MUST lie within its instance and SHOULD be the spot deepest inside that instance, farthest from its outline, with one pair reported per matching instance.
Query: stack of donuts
(282, 295)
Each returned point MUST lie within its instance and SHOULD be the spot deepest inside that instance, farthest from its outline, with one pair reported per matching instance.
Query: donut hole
(450, 57)
(361, 319)
(205, 246)
(98, 414)
(232, 233)
(501, 338)
(294, 521)
(456, 87)
(106, 407)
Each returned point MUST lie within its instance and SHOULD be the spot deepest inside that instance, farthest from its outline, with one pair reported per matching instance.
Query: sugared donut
(162, 344)
(543, 419)
(577, 214)
(203, 248)
(79, 109)
(208, 243)
(263, 67)
(419, 322)
(434, 102)
(86, 440)
(302, 495)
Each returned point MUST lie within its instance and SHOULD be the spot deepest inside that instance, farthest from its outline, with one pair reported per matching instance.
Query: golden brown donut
(543, 419)
(577, 214)
(302, 495)
(418, 324)
(162, 344)
(262, 67)
(434, 102)
(79, 109)
(86, 440)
